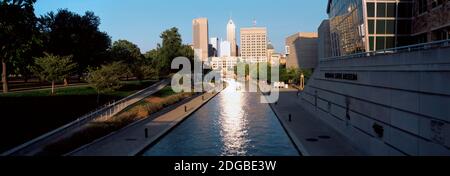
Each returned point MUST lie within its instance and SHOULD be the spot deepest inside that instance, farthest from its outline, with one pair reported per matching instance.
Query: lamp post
(302, 82)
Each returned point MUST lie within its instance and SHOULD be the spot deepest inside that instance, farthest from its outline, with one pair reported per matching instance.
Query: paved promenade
(312, 136)
(132, 140)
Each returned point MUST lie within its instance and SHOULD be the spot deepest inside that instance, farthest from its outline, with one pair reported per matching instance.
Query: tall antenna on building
(254, 22)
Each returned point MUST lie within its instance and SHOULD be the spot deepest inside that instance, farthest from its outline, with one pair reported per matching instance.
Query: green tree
(169, 49)
(68, 33)
(106, 79)
(130, 55)
(53, 68)
(17, 23)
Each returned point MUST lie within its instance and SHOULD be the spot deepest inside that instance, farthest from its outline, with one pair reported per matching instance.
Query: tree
(53, 68)
(68, 33)
(130, 55)
(106, 79)
(169, 49)
(17, 23)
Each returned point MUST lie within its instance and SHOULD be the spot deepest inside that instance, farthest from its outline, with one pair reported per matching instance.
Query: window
(371, 26)
(371, 43)
(381, 9)
(404, 26)
(381, 26)
(390, 26)
(403, 41)
(390, 42)
(371, 9)
(422, 38)
(405, 10)
(390, 10)
(422, 6)
(380, 43)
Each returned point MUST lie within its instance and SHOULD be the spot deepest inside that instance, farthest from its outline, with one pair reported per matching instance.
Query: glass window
(405, 10)
(390, 9)
(371, 9)
(422, 6)
(381, 26)
(390, 26)
(371, 26)
(371, 43)
(404, 26)
(436, 3)
(403, 41)
(380, 43)
(381, 9)
(390, 42)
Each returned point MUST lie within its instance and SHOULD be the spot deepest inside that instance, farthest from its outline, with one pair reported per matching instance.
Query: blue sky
(142, 21)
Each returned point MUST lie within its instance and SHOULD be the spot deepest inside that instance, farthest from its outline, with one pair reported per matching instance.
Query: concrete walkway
(132, 140)
(312, 136)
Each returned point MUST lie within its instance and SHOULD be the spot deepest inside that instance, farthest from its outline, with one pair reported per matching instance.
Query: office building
(200, 37)
(254, 43)
(231, 37)
(324, 42)
(301, 50)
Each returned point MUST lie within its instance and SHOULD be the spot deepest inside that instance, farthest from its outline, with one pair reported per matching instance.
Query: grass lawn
(102, 127)
(26, 115)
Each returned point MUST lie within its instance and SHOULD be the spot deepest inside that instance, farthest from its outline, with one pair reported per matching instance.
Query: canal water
(234, 123)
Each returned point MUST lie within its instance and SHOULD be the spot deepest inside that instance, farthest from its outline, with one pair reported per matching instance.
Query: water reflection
(234, 123)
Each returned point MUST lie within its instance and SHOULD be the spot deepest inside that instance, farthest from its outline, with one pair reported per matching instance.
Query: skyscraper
(231, 37)
(254, 43)
(200, 37)
(225, 50)
(215, 43)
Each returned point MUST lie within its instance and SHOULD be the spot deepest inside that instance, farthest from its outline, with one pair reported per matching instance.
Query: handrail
(80, 121)
(409, 48)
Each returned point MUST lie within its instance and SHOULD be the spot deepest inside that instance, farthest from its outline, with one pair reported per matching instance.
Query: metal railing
(409, 48)
(104, 112)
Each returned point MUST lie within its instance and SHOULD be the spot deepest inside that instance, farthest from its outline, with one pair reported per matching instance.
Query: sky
(142, 21)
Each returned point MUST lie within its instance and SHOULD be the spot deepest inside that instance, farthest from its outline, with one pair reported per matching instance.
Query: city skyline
(146, 19)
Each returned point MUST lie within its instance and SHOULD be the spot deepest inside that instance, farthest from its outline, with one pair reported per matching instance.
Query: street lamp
(302, 82)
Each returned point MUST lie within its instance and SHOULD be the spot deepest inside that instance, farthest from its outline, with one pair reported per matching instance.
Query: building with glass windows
(385, 103)
(369, 25)
(373, 25)
(431, 20)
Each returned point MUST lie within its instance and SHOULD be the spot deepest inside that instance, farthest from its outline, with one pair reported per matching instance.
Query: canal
(234, 123)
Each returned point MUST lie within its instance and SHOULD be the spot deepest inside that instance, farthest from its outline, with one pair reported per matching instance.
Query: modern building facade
(369, 25)
(431, 20)
(231, 37)
(324, 42)
(373, 25)
(386, 103)
(200, 37)
(301, 50)
(254, 43)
